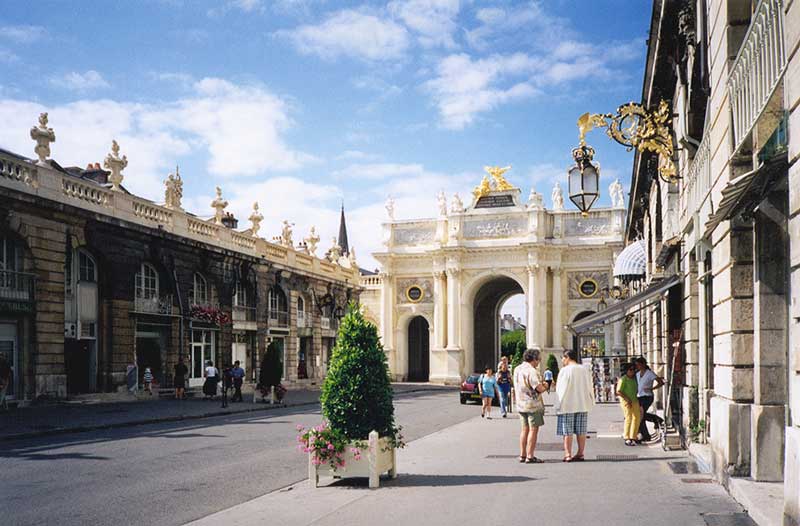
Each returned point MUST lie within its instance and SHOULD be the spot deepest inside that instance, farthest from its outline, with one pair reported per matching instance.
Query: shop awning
(745, 191)
(619, 308)
(631, 262)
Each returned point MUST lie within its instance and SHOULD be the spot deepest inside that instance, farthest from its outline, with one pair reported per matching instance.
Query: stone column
(453, 309)
(541, 289)
(387, 323)
(558, 309)
(532, 332)
(439, 310)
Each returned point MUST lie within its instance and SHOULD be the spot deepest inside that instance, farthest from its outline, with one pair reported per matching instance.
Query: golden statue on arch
(497, 184)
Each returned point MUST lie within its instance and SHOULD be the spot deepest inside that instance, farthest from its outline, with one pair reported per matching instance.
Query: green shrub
(513, 345)
(552, 364)
(357, 394)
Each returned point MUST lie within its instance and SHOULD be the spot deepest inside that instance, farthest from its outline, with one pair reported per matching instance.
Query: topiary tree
(271, 368)
(552, 364)
(357, 394)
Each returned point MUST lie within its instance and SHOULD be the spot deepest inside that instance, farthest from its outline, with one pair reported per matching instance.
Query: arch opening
(419, 358)
(590, 342)
(489, 300)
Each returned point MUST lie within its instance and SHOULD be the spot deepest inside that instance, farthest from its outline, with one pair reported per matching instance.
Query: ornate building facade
(723, 238)
(438, 295)
(94, 280)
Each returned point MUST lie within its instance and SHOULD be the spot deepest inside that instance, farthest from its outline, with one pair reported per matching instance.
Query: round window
(414, 294)
(587, 288)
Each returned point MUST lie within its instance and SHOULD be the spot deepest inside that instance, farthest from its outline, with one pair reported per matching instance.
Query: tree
(357, 393)
(271, 367)
(552, 364)
(513, 345)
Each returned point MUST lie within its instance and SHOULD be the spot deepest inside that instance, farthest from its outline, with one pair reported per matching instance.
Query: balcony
(243, 313)
(325, 322)
(16, 291)
(154, 305)
(697, 182)
(303, 320)
(278, 319)
(758, 69)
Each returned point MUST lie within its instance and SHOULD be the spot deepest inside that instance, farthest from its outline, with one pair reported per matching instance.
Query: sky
(305, 105)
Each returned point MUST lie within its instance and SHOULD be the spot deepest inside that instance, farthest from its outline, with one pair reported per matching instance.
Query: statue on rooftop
(558, 197)
(312, 241)
(173, 190)
(115, 164)
(219, 205)
(43, 137)
(255, 220)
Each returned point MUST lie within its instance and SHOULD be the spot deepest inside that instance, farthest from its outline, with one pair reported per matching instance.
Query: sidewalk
(88, 414)
(468, 474)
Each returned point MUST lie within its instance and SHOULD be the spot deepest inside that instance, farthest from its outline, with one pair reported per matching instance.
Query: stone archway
(590, 336)
(486, 305)
(418, 350)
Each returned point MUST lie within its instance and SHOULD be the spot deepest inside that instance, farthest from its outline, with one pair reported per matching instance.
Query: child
(148, 380)
(548, 377)
(487, 387)
(627, 387)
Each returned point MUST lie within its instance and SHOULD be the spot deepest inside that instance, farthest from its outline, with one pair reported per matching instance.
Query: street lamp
(584, 179)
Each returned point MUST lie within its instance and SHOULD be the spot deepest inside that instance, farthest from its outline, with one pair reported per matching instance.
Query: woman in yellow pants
(626, 391)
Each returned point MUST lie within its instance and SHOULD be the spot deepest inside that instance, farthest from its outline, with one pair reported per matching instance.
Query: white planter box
(379, 458)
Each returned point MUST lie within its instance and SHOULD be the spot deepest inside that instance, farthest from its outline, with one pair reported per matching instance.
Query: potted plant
(359, 437)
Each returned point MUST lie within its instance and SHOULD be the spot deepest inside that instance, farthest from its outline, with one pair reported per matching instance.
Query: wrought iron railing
(278, 318)
(154, 304)
(697, 182)
(16, 286)
(243, 313)
(325, 322)
(758, 68)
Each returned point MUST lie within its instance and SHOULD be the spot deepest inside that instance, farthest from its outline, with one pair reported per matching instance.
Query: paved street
(172, 473)
(468, 474)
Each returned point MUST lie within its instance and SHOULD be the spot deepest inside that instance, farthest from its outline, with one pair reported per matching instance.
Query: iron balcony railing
(697, 182)
(758, 68)
(278, 318)
(303, 320)
(16, 286)
(154, 304)
(243, 313)
(325, 322)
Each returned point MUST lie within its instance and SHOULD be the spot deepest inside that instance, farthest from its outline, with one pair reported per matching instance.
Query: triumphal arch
(437, 297)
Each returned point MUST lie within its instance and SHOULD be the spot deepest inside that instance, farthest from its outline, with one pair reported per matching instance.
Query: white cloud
(239, 128)
(81, 82)
(465, 87)
(352, 34)
(23, 34)
(434, 21)
(356, 155)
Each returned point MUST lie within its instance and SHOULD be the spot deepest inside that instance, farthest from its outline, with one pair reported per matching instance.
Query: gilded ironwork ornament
(636, 127)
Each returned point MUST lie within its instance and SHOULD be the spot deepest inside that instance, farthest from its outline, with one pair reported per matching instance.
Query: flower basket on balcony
(209, 314)
(357, 407)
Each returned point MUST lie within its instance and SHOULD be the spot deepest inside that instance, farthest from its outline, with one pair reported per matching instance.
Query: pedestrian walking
(528, 389)
(148, 380)
(487, 387)
(237, 373)
(575, 400)
(5, 382)
(179, 379)
(645, 378)
(627, 388)
(212, 378)
(503, 378)
(548, 377)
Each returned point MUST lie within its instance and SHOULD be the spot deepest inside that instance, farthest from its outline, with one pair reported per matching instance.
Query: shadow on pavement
(406, 480)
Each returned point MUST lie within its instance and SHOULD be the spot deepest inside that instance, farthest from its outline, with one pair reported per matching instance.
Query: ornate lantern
(584, 179)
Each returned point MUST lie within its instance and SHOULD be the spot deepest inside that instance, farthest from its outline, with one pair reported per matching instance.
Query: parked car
(470, 391)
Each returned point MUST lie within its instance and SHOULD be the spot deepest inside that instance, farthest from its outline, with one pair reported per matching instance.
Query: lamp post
(633, 126)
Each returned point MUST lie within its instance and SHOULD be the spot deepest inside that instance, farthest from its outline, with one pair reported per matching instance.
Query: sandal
(567, 459)
(522, 458)
(534, 460)
(578, 458)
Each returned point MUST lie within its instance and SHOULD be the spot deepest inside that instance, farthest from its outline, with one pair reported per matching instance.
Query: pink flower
(357, 457)
(316, 461)
(330, 447)
(299, 427)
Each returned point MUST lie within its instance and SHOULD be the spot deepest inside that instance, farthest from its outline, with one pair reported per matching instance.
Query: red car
(470, 391)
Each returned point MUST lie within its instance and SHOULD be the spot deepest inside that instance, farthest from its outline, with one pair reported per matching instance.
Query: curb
(177, 418)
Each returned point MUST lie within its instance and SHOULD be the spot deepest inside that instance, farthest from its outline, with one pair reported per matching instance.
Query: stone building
(722, 241)
(443, 281)
(94, 279)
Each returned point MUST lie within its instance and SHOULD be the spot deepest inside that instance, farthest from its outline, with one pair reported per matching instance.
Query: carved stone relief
(423, 283)
(495, 228)
(411, 236)
(574, 280)
(587, 226)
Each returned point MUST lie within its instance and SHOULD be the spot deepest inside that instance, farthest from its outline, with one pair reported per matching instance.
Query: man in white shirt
(575, 399)
(645, 377)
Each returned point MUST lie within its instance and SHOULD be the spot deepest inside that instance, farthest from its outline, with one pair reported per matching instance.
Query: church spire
(343, 234)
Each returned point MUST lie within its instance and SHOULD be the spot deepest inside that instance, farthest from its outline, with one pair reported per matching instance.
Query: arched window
(199, 290)
(87, 269)
(301, 312)
(240, 295)
(278, 308)
(10, 255)
(147, 282)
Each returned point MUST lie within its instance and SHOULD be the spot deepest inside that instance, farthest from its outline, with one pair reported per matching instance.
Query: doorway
(8, 352)
(203, 350)
(419, 360)
(80, 360)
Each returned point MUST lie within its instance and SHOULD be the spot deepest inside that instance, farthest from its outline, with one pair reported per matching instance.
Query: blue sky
(303, 104)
